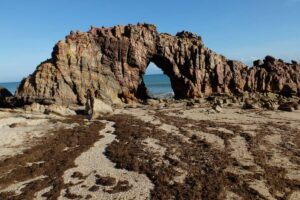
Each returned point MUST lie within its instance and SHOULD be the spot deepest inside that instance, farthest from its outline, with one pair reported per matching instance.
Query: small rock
(161, 105)
(152, 102)
(35, 107)
(288, 106)
(269, 105)
(190, 103)
(211, 111)
(250, 105)
(132, 105)
(200, 101)
(105, 181)
(235, 100)
(258, 62)
(219, 102)
(226, 101)
(94, 188)
(217, 108)
(271, 96)
(269, 59)
(59, 110)
(17, 125)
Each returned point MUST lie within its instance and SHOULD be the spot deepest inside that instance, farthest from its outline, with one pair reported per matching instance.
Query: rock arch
(111, 62)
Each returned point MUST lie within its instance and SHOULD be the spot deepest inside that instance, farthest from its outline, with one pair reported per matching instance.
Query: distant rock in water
(111, 62)
(4, 94)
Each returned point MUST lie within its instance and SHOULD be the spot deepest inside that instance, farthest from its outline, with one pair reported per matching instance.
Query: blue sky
(239, 29)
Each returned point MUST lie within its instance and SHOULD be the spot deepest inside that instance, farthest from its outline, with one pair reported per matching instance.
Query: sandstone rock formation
(49, 109)
(95, 107)
(111, 62)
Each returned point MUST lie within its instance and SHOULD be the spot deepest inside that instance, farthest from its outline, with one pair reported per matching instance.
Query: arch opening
(157, 83)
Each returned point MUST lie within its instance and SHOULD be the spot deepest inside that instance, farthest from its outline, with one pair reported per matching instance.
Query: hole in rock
(157, 83)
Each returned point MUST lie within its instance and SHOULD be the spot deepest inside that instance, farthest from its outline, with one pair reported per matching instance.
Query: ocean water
(158, 85)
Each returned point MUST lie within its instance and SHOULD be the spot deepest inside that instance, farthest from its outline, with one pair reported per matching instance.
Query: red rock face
(111, 62)
(272, 75)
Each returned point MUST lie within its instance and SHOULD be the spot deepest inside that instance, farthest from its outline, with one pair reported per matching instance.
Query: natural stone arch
(178, 85)
(111, 62)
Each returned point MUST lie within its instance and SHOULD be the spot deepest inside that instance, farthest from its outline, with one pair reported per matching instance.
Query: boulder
(288, 106)
(217, 108)
(250, 104)
(49, 109)
(18, 125)
(190, 104)
(269, 105)
(95, 108)
(258, 62)
(152, 102)
(99, 108)
(35, 107)
(59, 110)
(289, 90)
(269, 59)
(4, 95)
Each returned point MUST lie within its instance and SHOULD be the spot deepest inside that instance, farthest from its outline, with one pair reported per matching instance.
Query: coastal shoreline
(181, 148)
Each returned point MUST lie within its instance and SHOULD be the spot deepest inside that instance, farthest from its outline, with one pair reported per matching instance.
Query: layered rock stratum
(111, 62)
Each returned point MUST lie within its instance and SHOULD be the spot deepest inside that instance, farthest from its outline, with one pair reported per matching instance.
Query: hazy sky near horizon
(239, 29)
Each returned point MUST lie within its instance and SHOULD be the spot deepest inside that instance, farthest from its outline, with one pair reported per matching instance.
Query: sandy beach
(161, 151)
(150, 100)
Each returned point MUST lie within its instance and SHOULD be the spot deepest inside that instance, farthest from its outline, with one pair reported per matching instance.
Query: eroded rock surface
(4, 94)
(111, 62)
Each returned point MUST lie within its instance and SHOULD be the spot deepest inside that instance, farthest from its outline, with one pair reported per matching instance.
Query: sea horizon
(157, 84)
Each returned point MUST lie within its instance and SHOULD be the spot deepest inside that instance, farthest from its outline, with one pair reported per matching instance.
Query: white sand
(260, 187)
(38, 195)
(19, 130)
(17, 187)
(30, 127)
(94, 160)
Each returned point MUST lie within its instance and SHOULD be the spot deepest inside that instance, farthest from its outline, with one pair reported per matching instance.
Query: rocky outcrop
(272, 75)
(111, 63)
(4, 95)
(49, 109)
(95, 108)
